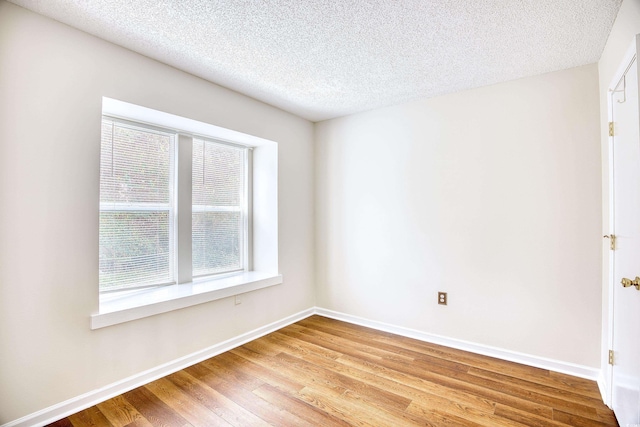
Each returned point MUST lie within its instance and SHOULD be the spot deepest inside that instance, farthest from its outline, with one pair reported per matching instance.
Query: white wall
(52, 79)
(492, 195)
(625, 28)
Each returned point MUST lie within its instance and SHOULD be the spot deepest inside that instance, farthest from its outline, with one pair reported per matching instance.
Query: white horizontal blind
(219, 208)
(136, 213)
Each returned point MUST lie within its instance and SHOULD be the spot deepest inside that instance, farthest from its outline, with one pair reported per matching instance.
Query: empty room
(303, 213)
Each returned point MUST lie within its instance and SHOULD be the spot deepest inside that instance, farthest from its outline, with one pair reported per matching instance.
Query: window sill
(120, 307)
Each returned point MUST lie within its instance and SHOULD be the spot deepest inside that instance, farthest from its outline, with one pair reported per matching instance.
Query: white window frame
(171, 208)
(245, 243)
(261, 248)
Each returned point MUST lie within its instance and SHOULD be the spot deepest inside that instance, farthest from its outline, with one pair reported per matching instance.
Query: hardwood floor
(323, 372)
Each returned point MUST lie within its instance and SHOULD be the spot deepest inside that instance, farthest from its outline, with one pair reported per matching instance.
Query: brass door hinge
(610, 357)
(612, 241)
(610, 128)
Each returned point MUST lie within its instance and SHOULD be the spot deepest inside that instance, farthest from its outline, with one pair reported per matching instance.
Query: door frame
(632, 52)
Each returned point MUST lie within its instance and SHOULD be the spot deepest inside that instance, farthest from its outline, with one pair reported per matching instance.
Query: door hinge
(610, 128)
(612, 241)
(610, 357)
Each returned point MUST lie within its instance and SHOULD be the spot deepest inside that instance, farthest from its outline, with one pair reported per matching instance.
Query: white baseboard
(512, 356)
(602, 386)
(84, 401)
(73, 405)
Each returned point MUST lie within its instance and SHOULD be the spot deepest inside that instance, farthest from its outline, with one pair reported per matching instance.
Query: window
(188, 213)
(219, 205)
(138, 232)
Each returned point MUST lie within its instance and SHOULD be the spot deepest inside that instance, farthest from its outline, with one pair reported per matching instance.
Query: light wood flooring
(323, 372)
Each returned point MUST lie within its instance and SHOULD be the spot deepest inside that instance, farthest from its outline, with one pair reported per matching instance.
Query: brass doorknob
(628, 282)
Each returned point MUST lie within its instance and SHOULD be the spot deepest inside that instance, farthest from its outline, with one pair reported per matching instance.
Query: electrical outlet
(442, 298)
(238, 299)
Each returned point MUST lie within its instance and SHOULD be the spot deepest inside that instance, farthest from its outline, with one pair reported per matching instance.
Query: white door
(625, 174)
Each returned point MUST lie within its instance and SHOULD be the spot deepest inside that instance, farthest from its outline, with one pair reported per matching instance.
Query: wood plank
(409, 387)
(337, 343)
(577, 420)
(359, 410)
(390, 406)
(439, 378)
(227, 409)
(374, 394)
(247, 367)
(153, 409)
(606, 415)
(538, 388)
(327, 403)
(268, 412)
(88, 418)
(119, 411)
(523, 417)
(553, 379)
(298, 407)
(503, 387)
(184, 405)
(302, 348)
(406, 385)
(419, 391)
(468, 414)
(140, 422)
(273, 364)
(61, 423)
(225, 364)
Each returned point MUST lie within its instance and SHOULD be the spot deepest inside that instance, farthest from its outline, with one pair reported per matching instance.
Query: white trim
(153, 118)
(607, 396)
(602, 386)
(120, 307)
(84, 401)
(629, 56)
(500, 353)
(607, 374)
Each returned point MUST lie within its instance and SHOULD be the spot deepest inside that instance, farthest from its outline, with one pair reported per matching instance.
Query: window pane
(218, 183)
(134, 249)
(216, 242)
(134, 165)
(136, 243)
(217, 174)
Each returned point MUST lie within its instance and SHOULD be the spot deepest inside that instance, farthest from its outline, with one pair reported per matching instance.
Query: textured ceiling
(322, 59)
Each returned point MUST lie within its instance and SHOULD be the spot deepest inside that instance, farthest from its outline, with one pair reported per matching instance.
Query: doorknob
(628, 282)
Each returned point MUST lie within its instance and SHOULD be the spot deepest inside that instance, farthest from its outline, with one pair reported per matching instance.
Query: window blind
(219, 214)
(136, 214)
